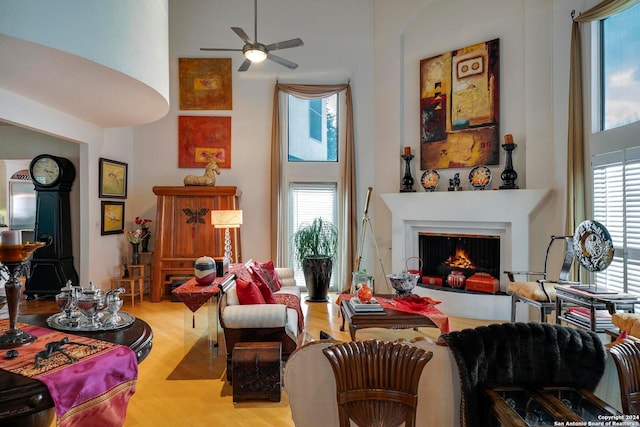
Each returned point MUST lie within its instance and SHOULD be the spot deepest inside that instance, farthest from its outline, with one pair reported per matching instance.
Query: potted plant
(315, 246)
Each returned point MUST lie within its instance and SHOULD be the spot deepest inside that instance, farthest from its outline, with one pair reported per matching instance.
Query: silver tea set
(89, 309)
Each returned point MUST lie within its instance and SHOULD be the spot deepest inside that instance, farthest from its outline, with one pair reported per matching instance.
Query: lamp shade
(226, 218)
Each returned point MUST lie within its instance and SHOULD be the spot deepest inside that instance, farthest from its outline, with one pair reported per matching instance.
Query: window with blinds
(312, 168)
(307, 201)
(616, 195)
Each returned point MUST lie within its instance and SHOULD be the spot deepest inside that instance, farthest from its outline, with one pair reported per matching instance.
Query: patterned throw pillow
(266, 273)
(248, 293)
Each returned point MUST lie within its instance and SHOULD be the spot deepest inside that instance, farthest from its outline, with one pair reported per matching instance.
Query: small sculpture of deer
(209, 177)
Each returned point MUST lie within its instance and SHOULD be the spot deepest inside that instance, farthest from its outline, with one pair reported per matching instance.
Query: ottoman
(257, 371)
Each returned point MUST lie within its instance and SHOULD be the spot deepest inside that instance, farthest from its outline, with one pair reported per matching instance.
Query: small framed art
(112, 179)
(112, 217)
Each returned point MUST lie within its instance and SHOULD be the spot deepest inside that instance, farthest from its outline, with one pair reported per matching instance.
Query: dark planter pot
(317, 275)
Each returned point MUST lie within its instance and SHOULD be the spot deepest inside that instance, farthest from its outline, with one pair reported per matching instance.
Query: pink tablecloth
(95, 390)
(411, 304)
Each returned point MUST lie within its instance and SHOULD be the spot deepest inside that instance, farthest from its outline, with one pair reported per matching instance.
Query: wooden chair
(626, 355)
(541, 293)
(377, 381)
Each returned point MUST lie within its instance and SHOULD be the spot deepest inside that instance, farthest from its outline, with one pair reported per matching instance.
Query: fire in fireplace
(451, 259)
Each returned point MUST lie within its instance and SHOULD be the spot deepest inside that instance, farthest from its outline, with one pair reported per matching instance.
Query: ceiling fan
(255, 51)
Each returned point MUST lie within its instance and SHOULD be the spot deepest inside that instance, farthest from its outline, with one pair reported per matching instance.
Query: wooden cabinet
(184, 231)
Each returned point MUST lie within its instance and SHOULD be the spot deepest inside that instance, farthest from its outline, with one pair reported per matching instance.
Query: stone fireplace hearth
(502, 213)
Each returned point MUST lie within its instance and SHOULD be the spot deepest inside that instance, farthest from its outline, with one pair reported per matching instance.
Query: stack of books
(582, 316)
(368, 307)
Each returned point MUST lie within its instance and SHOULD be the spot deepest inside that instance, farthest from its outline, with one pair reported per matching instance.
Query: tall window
(621, 68)
(312, 171)
(615, 144)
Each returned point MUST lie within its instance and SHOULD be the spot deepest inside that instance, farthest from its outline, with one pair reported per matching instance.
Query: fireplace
(502, 213)
(449, 259)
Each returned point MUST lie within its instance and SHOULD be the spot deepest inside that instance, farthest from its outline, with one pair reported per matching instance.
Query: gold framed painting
(112, 217)
(202, 139)
(112, 179)
(460, 107)
(205, 83)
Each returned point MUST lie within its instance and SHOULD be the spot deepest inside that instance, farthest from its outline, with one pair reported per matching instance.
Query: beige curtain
(349, 173)
(576, 201)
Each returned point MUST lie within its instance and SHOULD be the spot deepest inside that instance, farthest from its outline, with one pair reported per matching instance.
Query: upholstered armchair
(280, 322)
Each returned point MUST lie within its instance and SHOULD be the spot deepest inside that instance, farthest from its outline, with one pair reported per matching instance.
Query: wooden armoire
(184, 231)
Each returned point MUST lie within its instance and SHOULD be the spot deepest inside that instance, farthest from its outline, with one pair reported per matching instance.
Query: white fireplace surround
(503, 213)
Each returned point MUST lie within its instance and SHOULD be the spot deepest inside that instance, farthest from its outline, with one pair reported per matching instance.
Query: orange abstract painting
(205, 84)
(202, 139)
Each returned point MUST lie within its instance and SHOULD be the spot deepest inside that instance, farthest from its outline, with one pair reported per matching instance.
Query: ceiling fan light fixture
(255, 54)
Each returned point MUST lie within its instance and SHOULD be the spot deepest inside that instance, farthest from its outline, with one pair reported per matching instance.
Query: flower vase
(135, 256)
(145, 242)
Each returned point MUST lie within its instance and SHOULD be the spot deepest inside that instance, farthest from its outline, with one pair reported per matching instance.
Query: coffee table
(390, 319)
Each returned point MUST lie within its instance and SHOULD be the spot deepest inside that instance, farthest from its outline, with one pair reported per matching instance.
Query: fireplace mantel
(505, 213)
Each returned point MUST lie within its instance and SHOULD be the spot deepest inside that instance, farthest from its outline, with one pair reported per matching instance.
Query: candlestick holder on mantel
(407, 180)
(509, 175)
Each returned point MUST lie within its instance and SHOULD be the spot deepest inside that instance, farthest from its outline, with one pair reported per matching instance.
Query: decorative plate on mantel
(430, 179)
(480, 177)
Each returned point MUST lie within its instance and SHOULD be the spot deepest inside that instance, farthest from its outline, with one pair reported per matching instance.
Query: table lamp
(227, 219)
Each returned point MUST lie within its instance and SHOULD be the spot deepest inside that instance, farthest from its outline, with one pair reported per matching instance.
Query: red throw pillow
(266, 292)
(266, 273)
(248, 293)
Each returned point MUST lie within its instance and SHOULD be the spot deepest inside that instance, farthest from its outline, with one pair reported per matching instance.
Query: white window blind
(307, 201)
(616, 195)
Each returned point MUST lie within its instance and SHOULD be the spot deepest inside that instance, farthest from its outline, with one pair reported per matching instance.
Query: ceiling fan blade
(282, 61)
(285, 44)
(220, 49)
(245, 38)
(245, 65)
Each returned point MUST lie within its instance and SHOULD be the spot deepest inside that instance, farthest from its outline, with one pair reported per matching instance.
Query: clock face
(45, 171)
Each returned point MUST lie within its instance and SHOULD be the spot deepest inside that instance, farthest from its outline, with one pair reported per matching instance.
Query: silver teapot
(89, 308)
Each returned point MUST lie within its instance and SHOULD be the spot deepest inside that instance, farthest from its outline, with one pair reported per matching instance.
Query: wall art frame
(112, 179)
(205, 83)
(460, 107)
(112, 214)
(202, 139)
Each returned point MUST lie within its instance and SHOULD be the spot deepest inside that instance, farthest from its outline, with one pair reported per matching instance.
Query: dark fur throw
(523, 354)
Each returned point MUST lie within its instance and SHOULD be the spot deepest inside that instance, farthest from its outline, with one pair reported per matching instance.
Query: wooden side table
(146, 259)
(135, 277)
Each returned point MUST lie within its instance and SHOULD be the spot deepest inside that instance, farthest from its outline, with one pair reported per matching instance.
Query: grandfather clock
(52, 265)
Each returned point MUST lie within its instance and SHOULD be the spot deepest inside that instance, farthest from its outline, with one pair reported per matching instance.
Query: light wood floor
(182, 381)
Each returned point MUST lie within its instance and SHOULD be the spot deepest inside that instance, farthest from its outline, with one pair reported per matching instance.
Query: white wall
(338, 46)
(533, 52)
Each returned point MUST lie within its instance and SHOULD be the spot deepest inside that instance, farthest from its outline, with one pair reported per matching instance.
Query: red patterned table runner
(193, 295)
(95, 390)
(410, 305)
